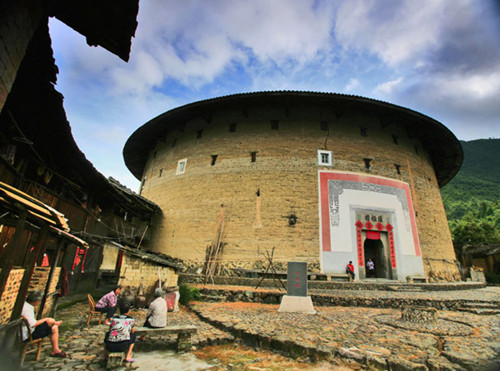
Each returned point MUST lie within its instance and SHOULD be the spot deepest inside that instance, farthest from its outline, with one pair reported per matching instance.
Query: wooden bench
(315, 276)
(184, 334)
(417, 279)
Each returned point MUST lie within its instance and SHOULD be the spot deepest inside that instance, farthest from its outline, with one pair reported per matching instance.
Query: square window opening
(324, 158)
(181, 166)
(367, 162)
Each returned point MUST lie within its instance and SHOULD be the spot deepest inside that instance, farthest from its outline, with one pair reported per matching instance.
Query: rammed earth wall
(260, 197)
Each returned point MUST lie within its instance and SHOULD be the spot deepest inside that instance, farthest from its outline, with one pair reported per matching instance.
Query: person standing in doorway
(370, 268)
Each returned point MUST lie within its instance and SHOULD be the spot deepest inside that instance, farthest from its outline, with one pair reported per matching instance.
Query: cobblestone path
(356, 335)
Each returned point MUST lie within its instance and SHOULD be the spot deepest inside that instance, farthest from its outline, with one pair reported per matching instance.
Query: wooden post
(28, 273)
(60, 245)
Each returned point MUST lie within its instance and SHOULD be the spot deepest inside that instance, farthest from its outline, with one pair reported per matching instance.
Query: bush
(188, 294)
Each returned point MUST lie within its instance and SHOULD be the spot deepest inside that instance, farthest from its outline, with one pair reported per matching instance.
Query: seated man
(350, 270)
(157, 312)
(121, 337)
(43, 327)
(107, 304)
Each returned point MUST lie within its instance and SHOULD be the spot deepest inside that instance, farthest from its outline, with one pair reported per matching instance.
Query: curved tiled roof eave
(442, 145)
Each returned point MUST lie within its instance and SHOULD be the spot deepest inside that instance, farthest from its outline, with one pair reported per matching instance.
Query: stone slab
(297, 304)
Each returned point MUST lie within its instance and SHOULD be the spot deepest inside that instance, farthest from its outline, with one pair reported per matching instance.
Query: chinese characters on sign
(297, 279)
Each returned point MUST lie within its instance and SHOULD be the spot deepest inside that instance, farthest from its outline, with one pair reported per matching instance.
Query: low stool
(115, 359)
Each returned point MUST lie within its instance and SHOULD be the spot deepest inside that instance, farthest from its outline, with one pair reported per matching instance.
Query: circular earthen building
(316, 177)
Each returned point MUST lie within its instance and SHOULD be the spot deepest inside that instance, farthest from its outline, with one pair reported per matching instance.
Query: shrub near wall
(135, 271)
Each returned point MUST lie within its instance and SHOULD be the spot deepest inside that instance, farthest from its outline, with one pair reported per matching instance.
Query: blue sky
(438, 57)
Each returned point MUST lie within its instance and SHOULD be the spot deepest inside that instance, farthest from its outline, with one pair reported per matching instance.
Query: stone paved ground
(353, 334)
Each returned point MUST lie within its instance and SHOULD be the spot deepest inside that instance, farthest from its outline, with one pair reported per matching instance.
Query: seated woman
(121, 337)
(157, 312)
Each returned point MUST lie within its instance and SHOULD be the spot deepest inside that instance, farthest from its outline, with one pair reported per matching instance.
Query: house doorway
(376, 247)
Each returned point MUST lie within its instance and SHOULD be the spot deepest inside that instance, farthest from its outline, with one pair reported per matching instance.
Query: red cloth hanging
(372, 235)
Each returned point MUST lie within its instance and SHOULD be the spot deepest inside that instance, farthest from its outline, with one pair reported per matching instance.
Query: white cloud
(388, 87)
(352, 85)
(396, 31)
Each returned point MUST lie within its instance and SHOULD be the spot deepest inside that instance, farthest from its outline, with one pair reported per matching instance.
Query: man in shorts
(42, 327)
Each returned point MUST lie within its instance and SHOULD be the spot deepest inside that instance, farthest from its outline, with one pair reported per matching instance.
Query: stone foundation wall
(9, 296)
(135, 271)
(274, 297)
(196, 266)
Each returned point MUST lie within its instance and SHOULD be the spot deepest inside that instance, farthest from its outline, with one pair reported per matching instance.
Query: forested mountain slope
(472, 198)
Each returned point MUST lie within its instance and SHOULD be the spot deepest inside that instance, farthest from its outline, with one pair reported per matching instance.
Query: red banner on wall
(371, 235)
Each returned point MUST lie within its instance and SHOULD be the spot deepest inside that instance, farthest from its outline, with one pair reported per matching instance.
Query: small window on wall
(324, 158)
(253, 156)
(181, 166)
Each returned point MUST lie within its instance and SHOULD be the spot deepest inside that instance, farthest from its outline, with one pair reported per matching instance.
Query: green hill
(472, 198)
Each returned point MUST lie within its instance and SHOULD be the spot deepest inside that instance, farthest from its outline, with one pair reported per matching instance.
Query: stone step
(484, 312)
(405, 288)
(212, 298)
(480, 305)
